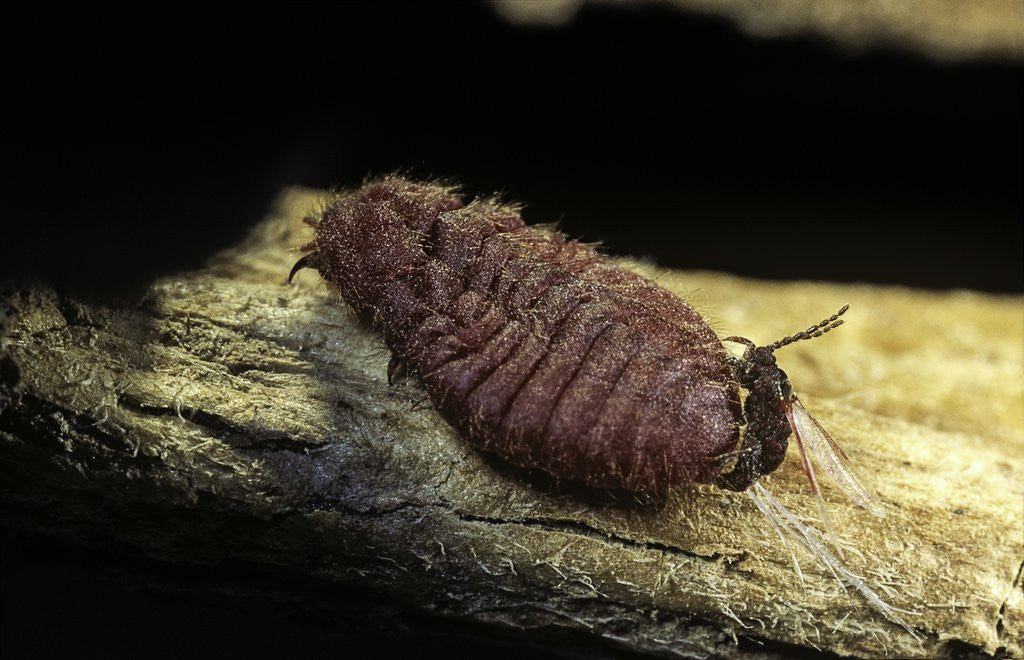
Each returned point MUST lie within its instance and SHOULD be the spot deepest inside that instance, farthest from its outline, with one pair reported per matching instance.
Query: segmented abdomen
(533, 347)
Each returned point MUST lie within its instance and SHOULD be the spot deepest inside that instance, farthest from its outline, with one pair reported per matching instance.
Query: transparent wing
(831, 458)
(806, 537)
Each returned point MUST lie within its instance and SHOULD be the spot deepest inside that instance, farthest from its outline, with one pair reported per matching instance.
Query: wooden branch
(230, 416)
(939, 29)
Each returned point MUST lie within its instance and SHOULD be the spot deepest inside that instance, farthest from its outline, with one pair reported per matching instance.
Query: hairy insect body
(766, 436)
(541, 350)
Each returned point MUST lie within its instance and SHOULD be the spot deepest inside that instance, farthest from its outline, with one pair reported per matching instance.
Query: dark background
(139, 140)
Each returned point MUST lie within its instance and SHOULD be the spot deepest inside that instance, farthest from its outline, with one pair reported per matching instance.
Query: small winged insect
(813, 441)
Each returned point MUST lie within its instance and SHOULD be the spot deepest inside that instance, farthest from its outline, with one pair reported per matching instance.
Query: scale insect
(542, 351)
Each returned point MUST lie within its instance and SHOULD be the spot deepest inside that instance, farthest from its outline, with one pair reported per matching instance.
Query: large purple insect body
(544, 352)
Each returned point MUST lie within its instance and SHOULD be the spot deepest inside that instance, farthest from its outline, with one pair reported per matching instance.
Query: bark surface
(229, 419)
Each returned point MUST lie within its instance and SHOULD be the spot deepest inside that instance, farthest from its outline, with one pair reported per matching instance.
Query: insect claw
(305, 262)
(396, 369)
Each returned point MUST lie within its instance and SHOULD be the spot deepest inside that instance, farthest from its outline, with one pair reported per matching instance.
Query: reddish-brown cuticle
(532, 346)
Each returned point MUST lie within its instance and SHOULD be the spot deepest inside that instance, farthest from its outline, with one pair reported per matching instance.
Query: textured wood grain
(229, 416)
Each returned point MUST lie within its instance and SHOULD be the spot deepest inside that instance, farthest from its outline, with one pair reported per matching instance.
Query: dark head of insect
(768, 407)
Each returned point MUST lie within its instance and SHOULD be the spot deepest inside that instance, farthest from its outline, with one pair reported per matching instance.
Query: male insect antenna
(816, 330)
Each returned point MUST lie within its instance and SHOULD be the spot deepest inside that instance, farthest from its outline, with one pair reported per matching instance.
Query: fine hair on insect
(538, 349)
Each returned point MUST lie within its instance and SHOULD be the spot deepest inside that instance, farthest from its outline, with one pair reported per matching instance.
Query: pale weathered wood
(230, 416)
